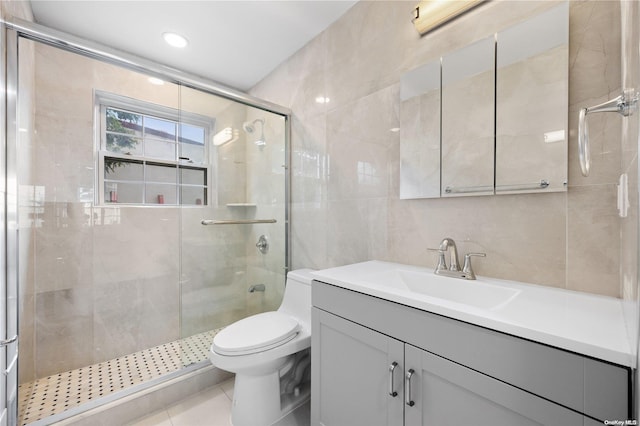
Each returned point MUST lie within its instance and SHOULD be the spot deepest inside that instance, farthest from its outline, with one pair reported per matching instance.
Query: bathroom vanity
(395, 344)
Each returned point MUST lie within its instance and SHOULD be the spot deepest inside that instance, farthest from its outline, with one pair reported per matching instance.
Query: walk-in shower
(120, 281)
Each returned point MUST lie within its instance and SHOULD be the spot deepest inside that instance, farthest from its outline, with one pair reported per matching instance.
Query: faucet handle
(442, 263)
(467, 268)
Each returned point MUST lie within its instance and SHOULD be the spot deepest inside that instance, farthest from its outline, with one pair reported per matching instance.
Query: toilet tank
(297, 295)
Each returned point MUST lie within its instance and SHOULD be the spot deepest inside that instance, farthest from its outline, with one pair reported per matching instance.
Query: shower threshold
(66, 391)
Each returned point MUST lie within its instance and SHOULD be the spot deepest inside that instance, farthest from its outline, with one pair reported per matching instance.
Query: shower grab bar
(625, 105)
(467, 189)
(236, 222)
(543, 184)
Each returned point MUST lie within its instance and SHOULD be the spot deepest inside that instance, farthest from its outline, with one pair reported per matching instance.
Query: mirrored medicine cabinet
(491, 117)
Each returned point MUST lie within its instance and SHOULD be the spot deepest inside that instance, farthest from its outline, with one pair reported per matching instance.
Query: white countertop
(584, 323)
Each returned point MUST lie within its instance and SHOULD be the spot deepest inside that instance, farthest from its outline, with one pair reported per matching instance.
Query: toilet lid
(255, 333)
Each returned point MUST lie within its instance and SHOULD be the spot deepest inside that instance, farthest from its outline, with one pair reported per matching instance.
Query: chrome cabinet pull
(8, 341)
(392, 367)
(407, 388)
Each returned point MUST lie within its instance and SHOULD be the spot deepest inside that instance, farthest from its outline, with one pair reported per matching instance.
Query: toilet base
(256, 404)
(254, 400)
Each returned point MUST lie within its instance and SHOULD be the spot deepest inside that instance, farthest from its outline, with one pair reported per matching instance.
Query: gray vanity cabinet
(354, 384)
(462, 373)
(351, 380)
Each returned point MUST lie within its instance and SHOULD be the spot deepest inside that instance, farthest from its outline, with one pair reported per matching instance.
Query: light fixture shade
(430, 14)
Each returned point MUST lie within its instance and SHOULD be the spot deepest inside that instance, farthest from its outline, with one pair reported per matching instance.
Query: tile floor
(211, 407)
(54, 394)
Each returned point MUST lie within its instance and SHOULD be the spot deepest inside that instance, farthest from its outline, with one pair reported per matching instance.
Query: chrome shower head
(250, 127)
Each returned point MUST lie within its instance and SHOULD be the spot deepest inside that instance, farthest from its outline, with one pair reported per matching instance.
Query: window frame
(104, 100)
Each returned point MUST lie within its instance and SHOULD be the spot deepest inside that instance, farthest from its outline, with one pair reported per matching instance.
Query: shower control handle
(392, 368)
(263, 244)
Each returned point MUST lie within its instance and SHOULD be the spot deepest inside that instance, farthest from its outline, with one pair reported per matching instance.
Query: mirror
(420, 132)
(502, 125)
(467, 120)
(532, 104)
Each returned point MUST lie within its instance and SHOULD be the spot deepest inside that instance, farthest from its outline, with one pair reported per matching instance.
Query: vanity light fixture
(430, 14)
(175, 40)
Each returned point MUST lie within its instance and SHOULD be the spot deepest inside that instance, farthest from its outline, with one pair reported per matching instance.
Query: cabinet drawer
(589, 386)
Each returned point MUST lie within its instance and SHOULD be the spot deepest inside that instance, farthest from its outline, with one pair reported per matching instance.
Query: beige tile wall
(568, 240)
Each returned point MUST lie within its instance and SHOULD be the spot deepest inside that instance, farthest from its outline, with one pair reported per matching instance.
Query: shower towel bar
(236, 222)
(625, 104)
(543, 184)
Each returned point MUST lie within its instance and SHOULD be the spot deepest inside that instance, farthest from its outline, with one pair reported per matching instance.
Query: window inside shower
(117, 292)
(150, 154)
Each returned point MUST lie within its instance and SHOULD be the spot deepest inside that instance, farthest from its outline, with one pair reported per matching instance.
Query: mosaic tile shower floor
(54, 394)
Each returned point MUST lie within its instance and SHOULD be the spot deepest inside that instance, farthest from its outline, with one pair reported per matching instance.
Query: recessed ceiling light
(322, 100)
(175, 40)
(394, 129)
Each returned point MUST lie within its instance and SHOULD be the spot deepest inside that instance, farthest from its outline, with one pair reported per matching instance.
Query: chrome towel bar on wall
(236, 222)
(543, 184)
(625, 104)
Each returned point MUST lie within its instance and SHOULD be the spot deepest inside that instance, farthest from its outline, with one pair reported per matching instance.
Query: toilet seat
(256, 333)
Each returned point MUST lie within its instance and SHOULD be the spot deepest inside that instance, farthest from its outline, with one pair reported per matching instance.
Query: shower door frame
(12, 29)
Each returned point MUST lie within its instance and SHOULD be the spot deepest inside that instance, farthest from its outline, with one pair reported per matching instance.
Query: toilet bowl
(269, 354)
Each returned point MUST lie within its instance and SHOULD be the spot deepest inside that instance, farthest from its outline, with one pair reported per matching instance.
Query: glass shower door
(9, 236)
(111, 175)
(233, 265)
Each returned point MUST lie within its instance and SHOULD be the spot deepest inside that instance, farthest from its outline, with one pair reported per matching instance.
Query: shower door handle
(625, 105)
(8, 341)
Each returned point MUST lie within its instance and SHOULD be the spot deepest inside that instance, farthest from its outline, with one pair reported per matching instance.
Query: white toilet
(269, 353)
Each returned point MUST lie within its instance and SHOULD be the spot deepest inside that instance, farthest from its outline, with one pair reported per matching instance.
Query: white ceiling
(236, 43)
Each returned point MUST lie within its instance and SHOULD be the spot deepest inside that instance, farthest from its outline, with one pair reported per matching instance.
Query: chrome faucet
(454, 266)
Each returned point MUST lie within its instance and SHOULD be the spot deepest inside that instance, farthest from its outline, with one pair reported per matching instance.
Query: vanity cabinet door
(350, 374)
(445, 393)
